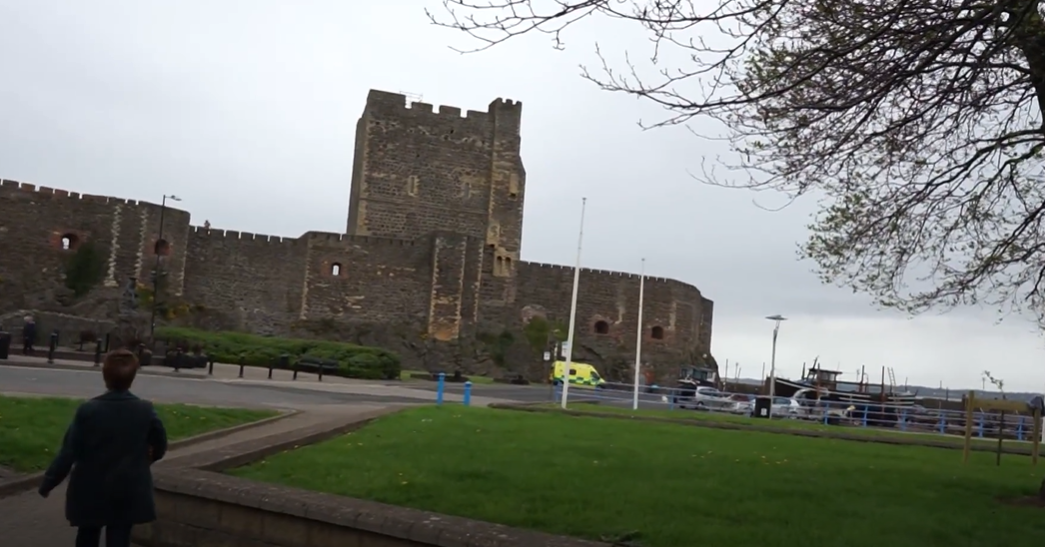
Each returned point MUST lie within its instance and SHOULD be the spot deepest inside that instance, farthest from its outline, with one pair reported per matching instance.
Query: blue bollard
(943, 423)
(865, 415)
(903, 420)
(1019, 429)
(979, 426)
(440, 386)
(467, 400)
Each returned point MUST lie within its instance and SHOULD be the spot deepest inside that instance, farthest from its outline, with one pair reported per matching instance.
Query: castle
(430, 257)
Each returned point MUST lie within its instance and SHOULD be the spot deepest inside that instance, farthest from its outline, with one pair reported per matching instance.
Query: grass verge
(605, 479)
(788, 425)
(406, 377)
(31, 428)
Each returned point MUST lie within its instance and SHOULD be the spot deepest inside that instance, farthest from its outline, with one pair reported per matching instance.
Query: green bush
(262, 351)
(85, 268)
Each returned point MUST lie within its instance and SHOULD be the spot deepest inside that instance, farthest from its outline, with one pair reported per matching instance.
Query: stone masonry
(430, 257)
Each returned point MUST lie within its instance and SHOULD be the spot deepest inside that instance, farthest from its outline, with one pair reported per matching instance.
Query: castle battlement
(11, 187)
(383, 104)
(612, 273)
(233, 234)
(332, 237)
(444, 111)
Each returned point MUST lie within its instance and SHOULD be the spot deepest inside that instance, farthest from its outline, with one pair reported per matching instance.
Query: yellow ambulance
(581, 374)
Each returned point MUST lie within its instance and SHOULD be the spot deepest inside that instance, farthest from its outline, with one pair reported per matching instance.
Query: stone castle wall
(429, 260)
(676, 327)
(254, 281)
(41, 227)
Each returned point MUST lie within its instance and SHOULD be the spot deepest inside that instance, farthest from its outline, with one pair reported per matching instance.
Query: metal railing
(900, 417)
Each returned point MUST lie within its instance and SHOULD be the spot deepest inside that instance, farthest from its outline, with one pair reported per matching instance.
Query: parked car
(704, 398)
(742, 403)
(786, 407)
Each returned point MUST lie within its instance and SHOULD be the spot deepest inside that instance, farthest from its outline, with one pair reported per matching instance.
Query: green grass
(677, 486)
(405, 376)
(31, 428)
(790, 425)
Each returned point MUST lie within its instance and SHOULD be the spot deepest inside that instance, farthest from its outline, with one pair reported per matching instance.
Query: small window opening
(602, 327)
(162, 248)
(657, 333)
(513, 186)
(335, 269)
(68, 242)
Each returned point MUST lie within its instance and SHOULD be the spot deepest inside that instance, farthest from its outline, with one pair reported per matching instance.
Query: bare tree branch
(916, 123)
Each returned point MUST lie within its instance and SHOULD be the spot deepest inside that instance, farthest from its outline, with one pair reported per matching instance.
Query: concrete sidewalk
(27, 520)
(221, 371)
(68, 364)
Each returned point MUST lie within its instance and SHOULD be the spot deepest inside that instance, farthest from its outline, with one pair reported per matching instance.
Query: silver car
(786, 407)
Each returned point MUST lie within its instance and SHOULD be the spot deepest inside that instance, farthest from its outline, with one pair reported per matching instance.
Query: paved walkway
(27, 520)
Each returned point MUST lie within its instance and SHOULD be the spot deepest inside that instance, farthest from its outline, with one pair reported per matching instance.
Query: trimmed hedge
(262, 351)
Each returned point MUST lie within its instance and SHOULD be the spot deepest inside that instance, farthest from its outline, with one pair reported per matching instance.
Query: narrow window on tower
(513, 186)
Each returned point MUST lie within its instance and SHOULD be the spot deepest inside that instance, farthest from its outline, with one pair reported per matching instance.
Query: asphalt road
(72, 383)
(87, 383)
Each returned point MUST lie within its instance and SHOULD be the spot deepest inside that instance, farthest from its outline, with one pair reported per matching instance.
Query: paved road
(87, 383)
(223, 389)
(543, 393)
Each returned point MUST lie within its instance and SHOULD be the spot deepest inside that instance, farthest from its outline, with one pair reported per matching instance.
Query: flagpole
(573, 311)
(638, 337)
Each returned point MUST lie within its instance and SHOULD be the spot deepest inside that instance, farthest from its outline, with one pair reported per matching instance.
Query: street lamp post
(156, 267)
(777, 319)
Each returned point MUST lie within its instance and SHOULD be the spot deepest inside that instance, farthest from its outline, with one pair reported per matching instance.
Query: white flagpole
(573, 311)
(638, 337)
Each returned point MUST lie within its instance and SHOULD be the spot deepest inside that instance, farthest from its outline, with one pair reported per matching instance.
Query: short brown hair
(119, 369)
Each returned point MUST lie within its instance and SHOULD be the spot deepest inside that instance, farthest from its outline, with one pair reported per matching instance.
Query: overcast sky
(247, 109)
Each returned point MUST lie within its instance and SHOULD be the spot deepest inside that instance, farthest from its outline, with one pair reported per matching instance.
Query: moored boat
(884, 402)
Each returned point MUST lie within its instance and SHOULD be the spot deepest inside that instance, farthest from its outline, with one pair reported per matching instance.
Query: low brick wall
(199, 508)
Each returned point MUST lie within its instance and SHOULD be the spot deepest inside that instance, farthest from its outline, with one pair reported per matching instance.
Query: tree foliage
(541, 332)
(497, 345)
(916, 123)
(85, 268)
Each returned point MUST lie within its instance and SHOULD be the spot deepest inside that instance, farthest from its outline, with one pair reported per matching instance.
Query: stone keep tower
(418, 171)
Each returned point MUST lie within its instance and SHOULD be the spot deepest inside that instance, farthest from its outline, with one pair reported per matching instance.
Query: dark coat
(29, 332)
(107, 448)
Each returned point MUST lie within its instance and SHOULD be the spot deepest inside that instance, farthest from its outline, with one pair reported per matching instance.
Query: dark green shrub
(262, 351)
(85, 268)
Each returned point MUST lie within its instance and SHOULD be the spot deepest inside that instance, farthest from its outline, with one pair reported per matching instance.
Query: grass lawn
(31, 428)
(785, 425)
(675, 485)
